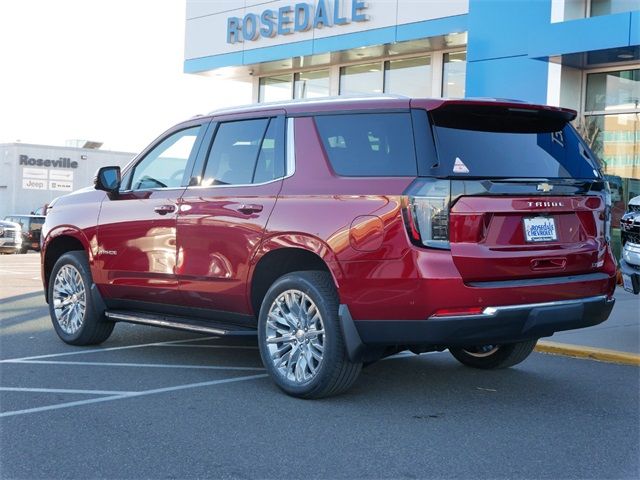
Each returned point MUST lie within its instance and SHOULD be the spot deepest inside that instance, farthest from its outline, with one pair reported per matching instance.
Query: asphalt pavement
(152, 403)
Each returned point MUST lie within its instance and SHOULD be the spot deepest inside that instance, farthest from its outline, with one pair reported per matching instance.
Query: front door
(136, 235)
(223, 216)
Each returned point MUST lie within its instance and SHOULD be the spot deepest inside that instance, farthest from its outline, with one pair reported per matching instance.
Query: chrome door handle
(250, 208)
(164, 209)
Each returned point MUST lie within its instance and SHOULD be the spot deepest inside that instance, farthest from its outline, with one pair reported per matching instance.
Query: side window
(164, 166)
(271, 159)
(246, 152)
(369, 144)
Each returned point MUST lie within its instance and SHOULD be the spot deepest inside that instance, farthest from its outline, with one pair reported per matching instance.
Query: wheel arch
(57, 243)
(285, 254)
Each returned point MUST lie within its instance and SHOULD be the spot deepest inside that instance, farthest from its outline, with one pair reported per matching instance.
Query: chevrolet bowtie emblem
(544, 187)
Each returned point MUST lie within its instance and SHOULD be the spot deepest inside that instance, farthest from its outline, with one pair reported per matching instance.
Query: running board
(179, 323)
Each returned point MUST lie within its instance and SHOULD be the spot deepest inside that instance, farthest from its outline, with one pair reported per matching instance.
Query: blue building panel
(634, 29)
(499, 28)
(377, 36)
(203, 64)
(584, 35)
(517, 78)
(432, 28)
(278, 52)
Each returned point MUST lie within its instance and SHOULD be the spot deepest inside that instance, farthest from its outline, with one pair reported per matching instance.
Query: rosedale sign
(287, 20)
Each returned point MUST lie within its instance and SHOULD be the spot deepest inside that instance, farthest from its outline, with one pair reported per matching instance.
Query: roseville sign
(287, 20)
(62, 162)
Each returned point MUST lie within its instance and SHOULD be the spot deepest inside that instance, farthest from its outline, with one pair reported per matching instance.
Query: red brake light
(454, 312)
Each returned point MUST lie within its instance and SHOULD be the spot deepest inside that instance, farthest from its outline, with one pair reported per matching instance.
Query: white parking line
(148, 365)
(230, 347)
(64, 390)
(111, 349)
(128, 395)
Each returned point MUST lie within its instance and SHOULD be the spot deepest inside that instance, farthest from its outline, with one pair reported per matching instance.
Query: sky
(102, 70)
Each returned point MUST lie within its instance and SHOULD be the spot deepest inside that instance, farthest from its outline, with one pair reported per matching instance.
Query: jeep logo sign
(287, 20)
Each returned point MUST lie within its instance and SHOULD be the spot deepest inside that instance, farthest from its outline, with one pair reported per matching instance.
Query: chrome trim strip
(491, 311)
(123, 317)
(291, 149)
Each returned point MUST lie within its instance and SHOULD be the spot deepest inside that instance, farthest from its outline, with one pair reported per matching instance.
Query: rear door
(527, 196)
(224, 211)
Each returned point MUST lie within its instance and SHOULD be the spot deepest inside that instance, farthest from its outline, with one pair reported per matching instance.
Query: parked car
(341, 231)
(630, 236)
(31, 226)
(10, 237)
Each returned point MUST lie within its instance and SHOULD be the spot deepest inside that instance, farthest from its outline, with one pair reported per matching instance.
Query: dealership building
(33, 175)
(580, 54)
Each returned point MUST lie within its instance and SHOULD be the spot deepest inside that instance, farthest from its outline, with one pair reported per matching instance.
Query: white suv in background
(10, 237)
(630, 262)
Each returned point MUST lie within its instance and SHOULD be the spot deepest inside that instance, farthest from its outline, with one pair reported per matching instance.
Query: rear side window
(509, 144)
(246, 152)
(369, 144)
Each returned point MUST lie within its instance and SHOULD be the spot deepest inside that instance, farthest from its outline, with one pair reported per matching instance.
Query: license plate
(627, 283)
(540, 229)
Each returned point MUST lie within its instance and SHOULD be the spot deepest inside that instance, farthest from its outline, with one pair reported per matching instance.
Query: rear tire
(494, 356)
(75, 317)
(300, 338)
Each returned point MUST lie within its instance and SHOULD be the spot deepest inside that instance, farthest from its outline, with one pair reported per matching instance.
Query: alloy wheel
(295, 336)
(69, 299)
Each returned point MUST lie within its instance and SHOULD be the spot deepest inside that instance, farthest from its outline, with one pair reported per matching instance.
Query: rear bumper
(502, 324)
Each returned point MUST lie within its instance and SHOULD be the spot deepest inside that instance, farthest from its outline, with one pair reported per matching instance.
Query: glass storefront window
(454, 74)
(608, 7)
(311, 84)
(357, 79)
(410, 77)
(616, 141)
(274, 89)
(618, 90)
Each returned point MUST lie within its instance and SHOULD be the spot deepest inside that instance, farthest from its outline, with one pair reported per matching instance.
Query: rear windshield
(369, 144)
(507, 146)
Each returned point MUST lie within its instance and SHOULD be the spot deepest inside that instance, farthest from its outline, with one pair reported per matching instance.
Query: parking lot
(153, 403)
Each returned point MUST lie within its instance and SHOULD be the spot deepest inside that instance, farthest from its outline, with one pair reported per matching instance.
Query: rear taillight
(426, 213)
(607, 214)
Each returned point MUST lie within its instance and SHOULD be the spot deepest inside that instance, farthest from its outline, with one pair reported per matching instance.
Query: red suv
(341, 231)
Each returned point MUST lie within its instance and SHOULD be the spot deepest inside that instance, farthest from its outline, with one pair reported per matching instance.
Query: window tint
(369, 144)
(557, 154)
(271, 158)
(235, 149)
(164, 166)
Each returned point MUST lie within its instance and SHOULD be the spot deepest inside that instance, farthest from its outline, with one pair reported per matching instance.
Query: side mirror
(108, 179)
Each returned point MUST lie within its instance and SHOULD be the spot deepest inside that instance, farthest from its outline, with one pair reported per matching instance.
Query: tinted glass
(411, 77)
(271, 158)
(233, 155)
(311, 84)
(275, 89)
(613, 90)
(369, 144)
(477, 153)
(164, 166)
(454, 74)
(608, 7)
(361, 79)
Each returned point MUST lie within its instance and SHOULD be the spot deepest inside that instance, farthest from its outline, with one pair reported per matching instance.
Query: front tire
(494, 356)
(300, 339)
(74, 315)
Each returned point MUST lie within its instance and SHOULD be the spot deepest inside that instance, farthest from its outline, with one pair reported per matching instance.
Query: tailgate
(502, 237)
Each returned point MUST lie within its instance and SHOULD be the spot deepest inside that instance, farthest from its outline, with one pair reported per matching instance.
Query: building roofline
(59, 147)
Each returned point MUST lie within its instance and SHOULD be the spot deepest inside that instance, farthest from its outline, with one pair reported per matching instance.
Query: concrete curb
(591, 353)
